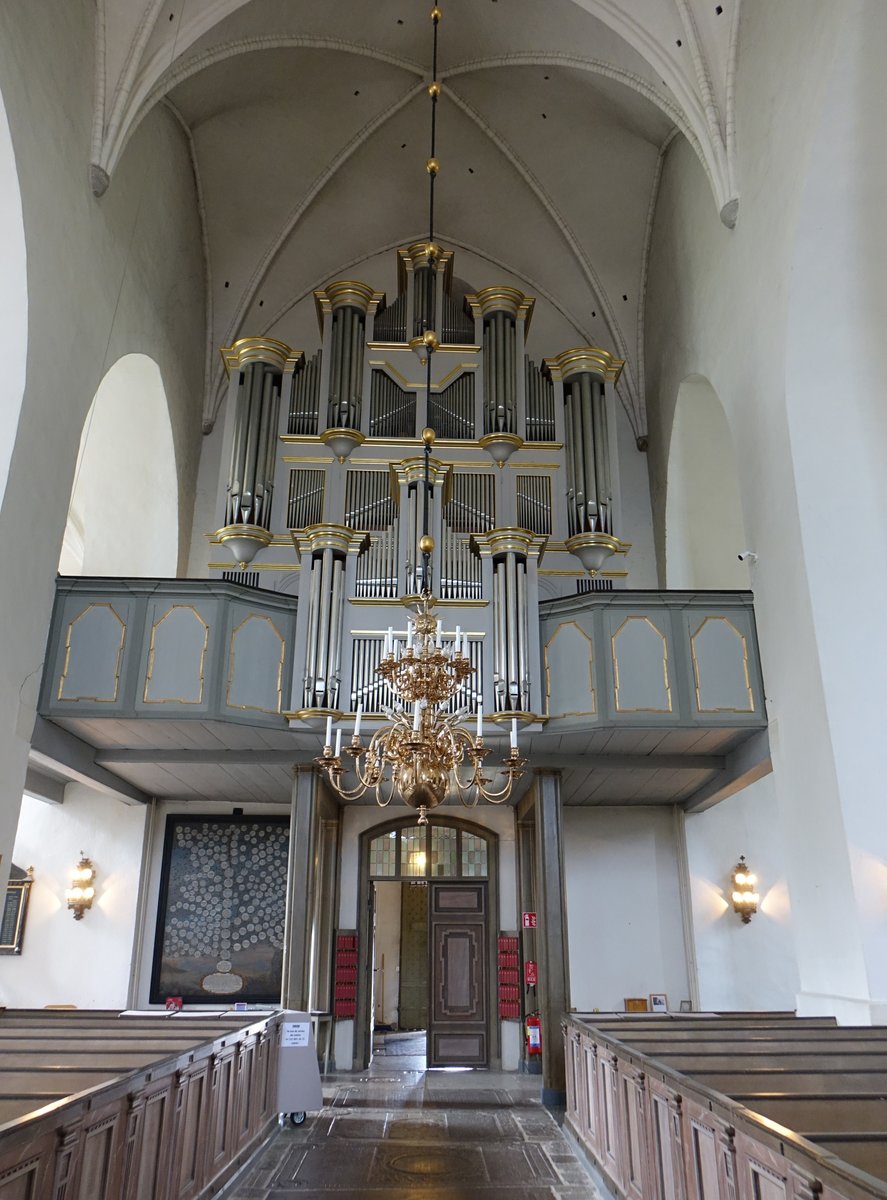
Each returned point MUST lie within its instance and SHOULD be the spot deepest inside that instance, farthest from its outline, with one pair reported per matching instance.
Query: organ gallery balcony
(196, 688)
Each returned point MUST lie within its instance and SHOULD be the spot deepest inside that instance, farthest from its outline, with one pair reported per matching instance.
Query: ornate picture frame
(221, 910)
(15, 910)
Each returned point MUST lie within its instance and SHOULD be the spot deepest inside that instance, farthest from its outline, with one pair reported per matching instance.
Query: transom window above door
(428, 852)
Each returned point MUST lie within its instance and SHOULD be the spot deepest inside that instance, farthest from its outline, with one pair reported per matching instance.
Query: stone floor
(398, 1132)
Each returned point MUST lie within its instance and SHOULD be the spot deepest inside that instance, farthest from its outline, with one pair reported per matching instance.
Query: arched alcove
(123, 515)
(13, 300)
(704, 529)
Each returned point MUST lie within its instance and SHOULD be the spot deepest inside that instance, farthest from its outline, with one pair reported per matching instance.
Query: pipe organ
(337, 434)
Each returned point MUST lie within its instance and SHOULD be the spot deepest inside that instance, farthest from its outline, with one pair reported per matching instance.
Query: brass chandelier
(423, 752)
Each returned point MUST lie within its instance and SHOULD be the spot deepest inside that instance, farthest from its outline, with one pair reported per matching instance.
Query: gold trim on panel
(255, 707)
(319, 460)
(150, 672)
(408, 385)
(502, 298)
(312, 439)
(369, 600)
(664, 641)
(585, 358)
(64, 674)
(741, 636)
(254, 566)
(510, 539)
(578, 574)
(591, 687)
(259, 349)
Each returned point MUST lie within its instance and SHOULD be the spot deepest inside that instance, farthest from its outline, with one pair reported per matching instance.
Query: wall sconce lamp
(745, 898)
(81, 892)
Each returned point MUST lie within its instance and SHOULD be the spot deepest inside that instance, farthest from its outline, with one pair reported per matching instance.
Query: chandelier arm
(513, 772)
(346, 793)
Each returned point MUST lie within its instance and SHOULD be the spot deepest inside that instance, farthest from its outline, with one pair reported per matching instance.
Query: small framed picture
(658, 1002)
(636, 1004)
(686, 1006)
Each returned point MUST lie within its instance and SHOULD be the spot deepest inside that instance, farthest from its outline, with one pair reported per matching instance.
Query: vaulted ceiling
(308, 127)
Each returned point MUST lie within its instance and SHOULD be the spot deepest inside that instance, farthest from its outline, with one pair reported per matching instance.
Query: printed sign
(173, 1003)
(296, 1033)
(529, 920)
(531, 973)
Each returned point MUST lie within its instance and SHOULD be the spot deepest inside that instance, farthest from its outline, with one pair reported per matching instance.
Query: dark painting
(220, 920)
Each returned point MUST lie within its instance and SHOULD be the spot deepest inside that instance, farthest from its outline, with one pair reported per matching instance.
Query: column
(301, 882)
(551, 935)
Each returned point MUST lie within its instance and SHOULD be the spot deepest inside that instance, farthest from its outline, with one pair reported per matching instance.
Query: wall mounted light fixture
(745, 898)
(82, 890)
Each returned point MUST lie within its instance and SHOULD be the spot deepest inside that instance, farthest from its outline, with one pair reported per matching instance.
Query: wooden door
(458, 1034)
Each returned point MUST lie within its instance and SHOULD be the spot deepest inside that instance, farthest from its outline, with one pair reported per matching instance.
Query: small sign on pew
(295, 1033)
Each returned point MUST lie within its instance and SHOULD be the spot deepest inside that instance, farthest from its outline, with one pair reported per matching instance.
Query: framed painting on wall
(636, 1004)
(220, 913)
(15, 909)
(658, 1002)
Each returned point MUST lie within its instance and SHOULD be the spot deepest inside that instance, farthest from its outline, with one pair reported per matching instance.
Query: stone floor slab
(420, 1136)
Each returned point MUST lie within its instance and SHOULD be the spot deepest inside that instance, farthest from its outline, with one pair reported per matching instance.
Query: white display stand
(298, 1078)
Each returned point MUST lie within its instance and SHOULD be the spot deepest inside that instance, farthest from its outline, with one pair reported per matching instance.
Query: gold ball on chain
(436, 13)
(432, 250)
(428, 435)
(432, 166)
(434, 89)
(431, 340)
(426, 543)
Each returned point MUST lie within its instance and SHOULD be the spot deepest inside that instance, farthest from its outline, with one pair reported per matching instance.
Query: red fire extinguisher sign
(531, 973)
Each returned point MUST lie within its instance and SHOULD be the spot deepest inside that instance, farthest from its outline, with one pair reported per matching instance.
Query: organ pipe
(253, 451)
(589, 486)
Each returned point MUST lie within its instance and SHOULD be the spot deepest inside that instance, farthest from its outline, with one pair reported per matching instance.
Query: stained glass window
(444, 861)
(383, 855)
(413, 857)
(474, 857)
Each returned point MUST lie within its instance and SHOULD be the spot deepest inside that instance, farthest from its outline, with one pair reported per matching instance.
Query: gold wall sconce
(745, 898)
(82, 890)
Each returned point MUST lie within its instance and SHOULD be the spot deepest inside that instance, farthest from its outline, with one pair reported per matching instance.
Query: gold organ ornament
(744, 896)
(81, 893)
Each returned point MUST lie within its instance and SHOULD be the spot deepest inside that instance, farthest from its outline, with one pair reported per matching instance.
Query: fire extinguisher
(533, 1028)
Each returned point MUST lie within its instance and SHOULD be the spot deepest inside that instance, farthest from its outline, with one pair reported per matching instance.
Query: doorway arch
(704, 526)
(460, 841)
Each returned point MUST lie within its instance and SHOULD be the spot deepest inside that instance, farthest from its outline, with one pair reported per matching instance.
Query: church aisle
(406, 1134)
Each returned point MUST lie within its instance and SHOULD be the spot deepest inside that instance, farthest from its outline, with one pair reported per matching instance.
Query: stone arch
(123, 513)
(13, 299)
(704, 526)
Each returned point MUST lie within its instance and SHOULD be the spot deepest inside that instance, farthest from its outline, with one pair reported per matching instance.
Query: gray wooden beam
(744, 766)
(301, 883)
(44, 787)
(57, 750)
(298, 756)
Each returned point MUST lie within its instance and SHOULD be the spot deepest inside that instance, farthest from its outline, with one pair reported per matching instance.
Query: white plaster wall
(704, 529)
(126, 462)
(64, 961)
(717, 306)
(387, 947)
(119, 275)
(741, 967)
(13, 299)
(625, 925)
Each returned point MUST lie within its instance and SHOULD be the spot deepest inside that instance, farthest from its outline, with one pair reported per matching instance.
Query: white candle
(439, 639)
(409, 635)
(357, 717)
(480, 720)
(513, 733)
(338, 742)
(456, 646)
(417, 716)
(389, 645)
(329, 731)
